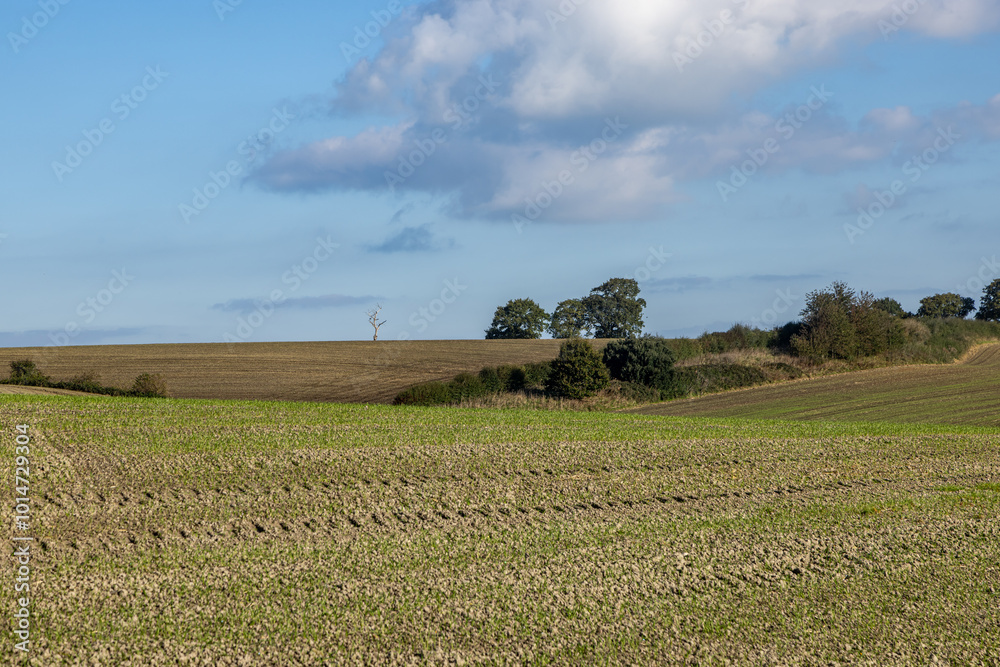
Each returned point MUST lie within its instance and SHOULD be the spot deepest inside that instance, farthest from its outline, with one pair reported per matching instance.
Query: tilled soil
(854, 550)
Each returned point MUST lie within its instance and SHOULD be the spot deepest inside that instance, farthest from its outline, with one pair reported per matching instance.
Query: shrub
(536, 375)
(645, 361)
(578, 371)
(149, 385)
(26, 372)
(710, 378)
(467, 386)
(430, 393)
(631, 391)
(739, 337)
(503, 379)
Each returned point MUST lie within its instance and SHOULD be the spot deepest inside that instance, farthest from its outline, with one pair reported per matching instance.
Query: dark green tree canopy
(520, 318)
(989, 305)
(646, 361)
(948, 304)
(570, 320)
(891, 306)
(616, 309)
(840, 323)
(578, 371)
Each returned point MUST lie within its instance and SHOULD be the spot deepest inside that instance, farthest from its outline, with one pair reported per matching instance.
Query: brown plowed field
(966, 392)
(346, 372)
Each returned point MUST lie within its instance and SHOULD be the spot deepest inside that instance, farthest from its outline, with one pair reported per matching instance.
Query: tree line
(837, 321)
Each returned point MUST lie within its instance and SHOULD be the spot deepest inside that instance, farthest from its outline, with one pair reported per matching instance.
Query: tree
(373, 318)
(615, 309)
(948, 304)
(891, 306)
(840, 323)
(989, 305)
(645, 361)
(520, 318)
(570, 320)
(578, 371)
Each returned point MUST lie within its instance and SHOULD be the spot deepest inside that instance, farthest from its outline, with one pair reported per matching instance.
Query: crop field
(967, 392)
(252, 533)
(341, 371)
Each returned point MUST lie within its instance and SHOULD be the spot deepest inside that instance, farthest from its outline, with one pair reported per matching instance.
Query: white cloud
(673, 71)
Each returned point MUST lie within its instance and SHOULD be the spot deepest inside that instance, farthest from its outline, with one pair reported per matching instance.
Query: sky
(226, 170)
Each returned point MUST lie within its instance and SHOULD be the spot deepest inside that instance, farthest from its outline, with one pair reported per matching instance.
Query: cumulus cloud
(495, 99)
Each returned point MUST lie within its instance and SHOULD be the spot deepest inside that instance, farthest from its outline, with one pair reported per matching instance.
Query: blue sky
(206, 171)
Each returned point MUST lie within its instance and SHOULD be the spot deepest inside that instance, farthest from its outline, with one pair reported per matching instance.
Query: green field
(967, 392)
(214, 533)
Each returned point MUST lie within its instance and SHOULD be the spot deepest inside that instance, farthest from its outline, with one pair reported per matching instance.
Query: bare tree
(373, 318)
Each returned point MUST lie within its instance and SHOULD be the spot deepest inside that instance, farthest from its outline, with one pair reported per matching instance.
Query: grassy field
(213, 533)
(967, 392)
(344, 372)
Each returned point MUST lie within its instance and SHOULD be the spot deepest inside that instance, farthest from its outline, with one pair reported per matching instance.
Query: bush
(578, 371)
(645, 361)
(26, 372)
(711, 378)
(503, 379)
(430, 393)
(536, 375)
(631, 391)
(149, 385)
(739, 337)
(467, 386)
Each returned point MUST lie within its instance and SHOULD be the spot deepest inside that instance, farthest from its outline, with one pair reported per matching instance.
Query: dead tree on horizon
(373, 318)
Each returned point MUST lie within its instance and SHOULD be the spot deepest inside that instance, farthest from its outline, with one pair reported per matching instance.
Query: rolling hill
(341, 371)
(966, 392)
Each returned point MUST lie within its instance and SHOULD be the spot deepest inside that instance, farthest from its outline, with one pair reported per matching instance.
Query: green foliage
(467, 386)
(536, 375)
(25, 372)
(578, 371)
(615, 309)
(891, 306)
(570, 320)
(503, 379)
(989, 305)
(840, 323)
(948, 304)
(645, 361)
(632, 391)
(149, 385)
(709, 378)
(739, 337)
(427, 394)
(519, 319)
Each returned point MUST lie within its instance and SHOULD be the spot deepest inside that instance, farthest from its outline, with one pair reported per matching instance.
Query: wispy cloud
(244, 306)
(413, 239)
